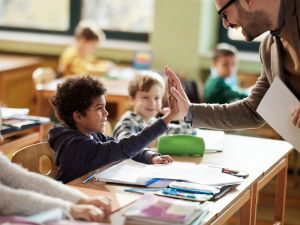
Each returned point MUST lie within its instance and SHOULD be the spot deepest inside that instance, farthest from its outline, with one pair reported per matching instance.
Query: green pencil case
(181, 144)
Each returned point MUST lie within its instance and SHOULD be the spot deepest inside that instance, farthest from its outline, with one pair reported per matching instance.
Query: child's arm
(24, 202)
(17, 177)
(181, 128)
(77, 154)
(128, 126)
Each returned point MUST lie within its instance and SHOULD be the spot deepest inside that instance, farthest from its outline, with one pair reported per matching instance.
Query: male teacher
(279, 53)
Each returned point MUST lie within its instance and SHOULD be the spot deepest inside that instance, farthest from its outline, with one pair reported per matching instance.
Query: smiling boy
(79, 144)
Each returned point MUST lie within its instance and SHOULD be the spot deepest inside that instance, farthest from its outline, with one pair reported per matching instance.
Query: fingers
(101, 202)
(105, 205)
(176, 94)
(296, 117)
(167, 159)
(87, 212)
(172, 77)
(164, 110)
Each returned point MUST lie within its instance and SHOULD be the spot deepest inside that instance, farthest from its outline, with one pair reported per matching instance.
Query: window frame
(75, 17)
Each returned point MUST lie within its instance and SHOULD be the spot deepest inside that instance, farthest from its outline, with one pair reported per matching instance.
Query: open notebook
(135, 173)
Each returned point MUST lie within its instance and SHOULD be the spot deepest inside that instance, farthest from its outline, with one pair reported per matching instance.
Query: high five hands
(176, 91)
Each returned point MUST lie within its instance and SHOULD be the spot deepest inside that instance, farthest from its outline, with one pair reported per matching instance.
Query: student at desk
(216, 88)
(78, 59)
(26, 193)
(79, 144)
(146, 92)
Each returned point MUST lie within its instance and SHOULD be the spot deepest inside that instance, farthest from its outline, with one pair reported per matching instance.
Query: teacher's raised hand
(176, 89)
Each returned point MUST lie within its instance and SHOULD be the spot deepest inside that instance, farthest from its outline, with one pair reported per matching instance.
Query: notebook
(141, 173)
(151, 209)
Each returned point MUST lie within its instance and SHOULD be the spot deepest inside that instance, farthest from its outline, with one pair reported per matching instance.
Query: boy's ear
(77, 117)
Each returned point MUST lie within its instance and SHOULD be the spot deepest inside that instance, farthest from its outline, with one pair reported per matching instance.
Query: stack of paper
(152, 209)
(132, 172)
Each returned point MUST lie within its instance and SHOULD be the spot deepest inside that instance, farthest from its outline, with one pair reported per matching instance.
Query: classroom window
(124, 20)
(134, 18)
(52, 15)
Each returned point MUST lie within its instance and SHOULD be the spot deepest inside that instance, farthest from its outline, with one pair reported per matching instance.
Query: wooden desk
(16, 85)
(18, 139)
(262, 158)
(117, 96)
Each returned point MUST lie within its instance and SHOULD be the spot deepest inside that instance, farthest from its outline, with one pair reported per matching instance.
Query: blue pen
(89, 178)
(142, 190)
(151, 181)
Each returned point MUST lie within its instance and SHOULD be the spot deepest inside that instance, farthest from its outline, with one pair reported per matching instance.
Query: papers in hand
(276, 108)
(132, 172)
(152, 209)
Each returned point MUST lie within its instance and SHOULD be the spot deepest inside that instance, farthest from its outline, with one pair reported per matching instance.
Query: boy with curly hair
(79, 144)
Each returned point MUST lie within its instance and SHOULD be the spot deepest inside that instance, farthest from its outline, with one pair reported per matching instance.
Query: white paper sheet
(131, 172)
(276, 108)
(214, 139)
(202, 174)
(7, 113)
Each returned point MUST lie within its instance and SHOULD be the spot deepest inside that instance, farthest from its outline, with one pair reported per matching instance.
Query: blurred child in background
(78, 59)
(220, 87)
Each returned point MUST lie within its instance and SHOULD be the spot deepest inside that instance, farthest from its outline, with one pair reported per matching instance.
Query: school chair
(43, 75)
(37, 158)
(193, 90)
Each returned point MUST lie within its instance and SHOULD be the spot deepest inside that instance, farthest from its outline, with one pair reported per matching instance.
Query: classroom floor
(265, 212)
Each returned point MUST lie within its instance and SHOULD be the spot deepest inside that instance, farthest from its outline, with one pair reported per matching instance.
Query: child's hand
(161, 159)
(100, 202)
(87, 212)
(164, 110)
(173, 113)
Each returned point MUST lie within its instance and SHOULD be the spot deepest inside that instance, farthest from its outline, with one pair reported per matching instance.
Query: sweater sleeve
(238, 115)
(82, 155)
(14, 176)
(181, 128)
(24, 202)
(128, 127)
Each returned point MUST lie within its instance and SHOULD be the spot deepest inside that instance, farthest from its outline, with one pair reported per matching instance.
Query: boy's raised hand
(161, 159)
(176, 90)
(173, 112)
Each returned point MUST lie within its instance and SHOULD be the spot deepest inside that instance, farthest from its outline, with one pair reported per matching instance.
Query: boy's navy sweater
(77, 154)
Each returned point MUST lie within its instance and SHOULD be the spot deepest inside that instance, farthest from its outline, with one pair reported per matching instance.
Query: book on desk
(152, 209)
(22, 122)
(177, 180)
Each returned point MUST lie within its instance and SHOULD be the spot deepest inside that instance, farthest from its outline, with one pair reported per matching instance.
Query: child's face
(95, 117)
(225, 65)
(148, 104)
(87, 46)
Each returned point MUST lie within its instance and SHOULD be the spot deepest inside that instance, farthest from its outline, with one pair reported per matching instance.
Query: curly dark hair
(76, 94)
